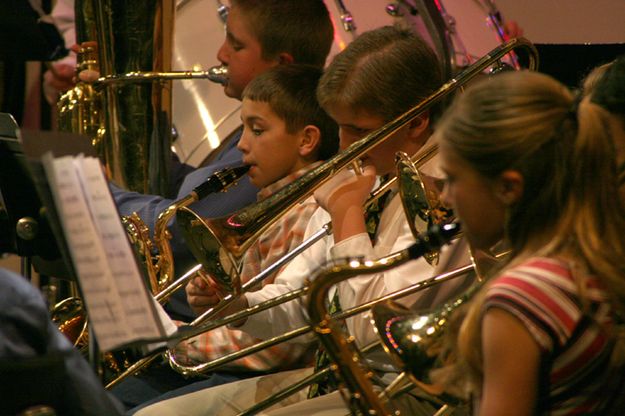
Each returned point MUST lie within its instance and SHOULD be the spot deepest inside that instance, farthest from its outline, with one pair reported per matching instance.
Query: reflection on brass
(225, 239)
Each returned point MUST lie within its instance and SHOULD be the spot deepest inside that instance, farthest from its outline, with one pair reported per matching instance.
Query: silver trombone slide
(305, 329)
(192, 331)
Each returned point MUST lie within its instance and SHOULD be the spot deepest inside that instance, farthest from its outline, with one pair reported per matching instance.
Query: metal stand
(94, 355)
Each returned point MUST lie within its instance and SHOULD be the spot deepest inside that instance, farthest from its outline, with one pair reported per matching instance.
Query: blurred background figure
(60, 75)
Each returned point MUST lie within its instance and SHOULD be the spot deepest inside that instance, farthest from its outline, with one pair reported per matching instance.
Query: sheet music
(119, 305)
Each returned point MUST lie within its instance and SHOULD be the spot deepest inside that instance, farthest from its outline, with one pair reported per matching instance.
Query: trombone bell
(210, 239)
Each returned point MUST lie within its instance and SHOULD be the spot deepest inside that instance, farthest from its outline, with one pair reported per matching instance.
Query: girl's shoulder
(537, 272)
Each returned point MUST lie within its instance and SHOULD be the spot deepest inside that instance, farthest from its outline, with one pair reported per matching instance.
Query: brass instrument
(350, 367)
(404, 165)
(132, 122)
(414, 339)
(194, 330)
(407, 174)
(219, 243)
(156, 254)
(126, 109)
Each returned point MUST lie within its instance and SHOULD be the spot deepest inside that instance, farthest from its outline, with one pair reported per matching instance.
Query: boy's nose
(242, 144)
(222, 55)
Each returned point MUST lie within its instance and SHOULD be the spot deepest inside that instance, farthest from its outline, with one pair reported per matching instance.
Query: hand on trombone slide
(202, 292)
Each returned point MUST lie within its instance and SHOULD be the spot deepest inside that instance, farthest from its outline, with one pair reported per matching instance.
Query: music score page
(120, 308)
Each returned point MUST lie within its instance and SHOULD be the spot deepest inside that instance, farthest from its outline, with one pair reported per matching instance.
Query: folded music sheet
(120, 308)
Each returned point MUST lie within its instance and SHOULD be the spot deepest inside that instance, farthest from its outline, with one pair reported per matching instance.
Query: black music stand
(32, 229)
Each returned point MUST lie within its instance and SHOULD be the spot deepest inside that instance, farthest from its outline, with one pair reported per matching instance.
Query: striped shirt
(575, 348)
(278, 240)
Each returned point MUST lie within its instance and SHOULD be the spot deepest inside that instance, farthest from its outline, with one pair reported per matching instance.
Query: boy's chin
(231, 92)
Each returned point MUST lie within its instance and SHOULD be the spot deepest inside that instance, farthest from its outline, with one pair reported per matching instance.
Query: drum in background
(353, 17)
(475, 28)
(202, 114)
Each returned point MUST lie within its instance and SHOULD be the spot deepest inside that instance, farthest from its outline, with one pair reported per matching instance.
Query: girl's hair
(608, 89)
(289, 90)
(530, 123)
(302, 28)
(385, 71)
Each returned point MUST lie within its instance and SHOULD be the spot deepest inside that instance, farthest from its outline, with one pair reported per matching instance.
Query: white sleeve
(394, 235)
(290, 315)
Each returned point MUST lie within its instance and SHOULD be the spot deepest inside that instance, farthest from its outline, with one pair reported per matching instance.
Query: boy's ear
(509, 187)
(285, 58)
(310, 139)
(419, 125)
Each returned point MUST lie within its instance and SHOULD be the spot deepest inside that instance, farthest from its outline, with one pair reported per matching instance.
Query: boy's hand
(346, 188)
(343, 196)
(58, 79)
(202, 294)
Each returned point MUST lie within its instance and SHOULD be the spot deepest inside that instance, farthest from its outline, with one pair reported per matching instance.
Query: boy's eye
(357, 131)
(235, 44)
(257, 131)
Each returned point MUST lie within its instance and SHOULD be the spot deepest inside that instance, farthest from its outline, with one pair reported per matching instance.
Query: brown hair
(290, 92)
(385, 71)
(302, 28)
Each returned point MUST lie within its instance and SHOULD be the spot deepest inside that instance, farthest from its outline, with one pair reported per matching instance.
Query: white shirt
(394, 235)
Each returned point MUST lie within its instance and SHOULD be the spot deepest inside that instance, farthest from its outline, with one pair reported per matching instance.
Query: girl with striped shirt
(527, 167)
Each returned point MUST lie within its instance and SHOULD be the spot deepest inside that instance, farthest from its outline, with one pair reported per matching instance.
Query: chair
(33, 386)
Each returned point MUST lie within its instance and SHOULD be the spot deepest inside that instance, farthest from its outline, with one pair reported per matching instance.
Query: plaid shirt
(281, 238)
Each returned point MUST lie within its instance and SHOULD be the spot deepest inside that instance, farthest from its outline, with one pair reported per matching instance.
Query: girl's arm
(511, 366)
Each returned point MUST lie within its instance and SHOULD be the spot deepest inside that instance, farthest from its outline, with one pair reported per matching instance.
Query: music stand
(32, 232)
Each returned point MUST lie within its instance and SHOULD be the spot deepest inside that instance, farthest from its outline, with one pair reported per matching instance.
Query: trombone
(191, 331)
(219, 243)
(350, 364)
(407, 171)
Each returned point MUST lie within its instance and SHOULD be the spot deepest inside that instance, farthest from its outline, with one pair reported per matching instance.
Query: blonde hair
(529, 122)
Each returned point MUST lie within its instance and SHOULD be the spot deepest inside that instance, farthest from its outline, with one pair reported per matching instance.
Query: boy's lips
(252, 167)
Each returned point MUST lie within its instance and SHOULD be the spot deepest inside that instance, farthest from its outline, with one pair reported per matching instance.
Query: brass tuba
(126, 47)
(129, 123)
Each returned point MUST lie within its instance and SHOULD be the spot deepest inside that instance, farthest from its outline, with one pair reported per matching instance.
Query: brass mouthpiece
(218, 74)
